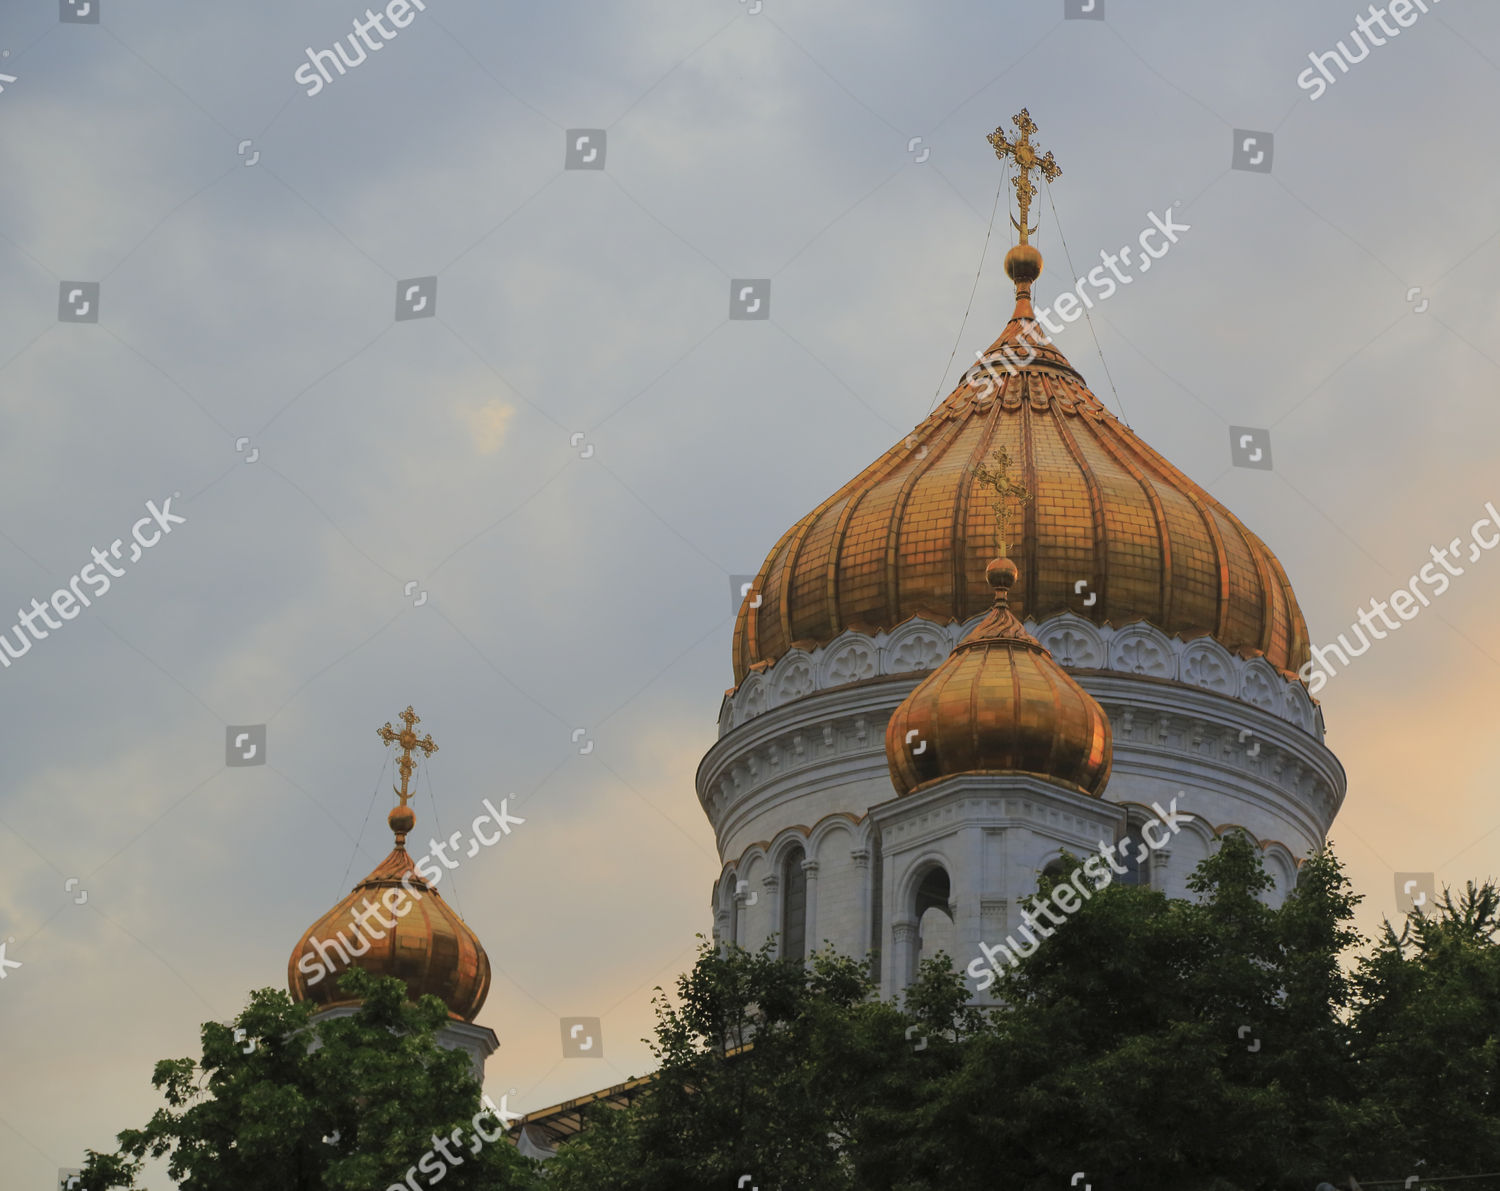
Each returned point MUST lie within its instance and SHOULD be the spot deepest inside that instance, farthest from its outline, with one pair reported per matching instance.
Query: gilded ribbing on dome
(909, 535)
(431, 948)
(906, 537)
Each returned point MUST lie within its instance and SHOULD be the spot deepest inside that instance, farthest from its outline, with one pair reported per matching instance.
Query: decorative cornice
(1160, 726)
(1032, 803)
(993, 803)
(918, 646)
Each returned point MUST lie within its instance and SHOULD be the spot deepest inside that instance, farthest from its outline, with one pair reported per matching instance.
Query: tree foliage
(1147, 1044)
(1203, 1044)
(344, 1104)
(1427, 1039)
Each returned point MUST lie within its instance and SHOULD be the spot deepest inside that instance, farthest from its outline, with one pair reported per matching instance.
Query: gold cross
(1006, 491)
(408, 740)
(1023, 152)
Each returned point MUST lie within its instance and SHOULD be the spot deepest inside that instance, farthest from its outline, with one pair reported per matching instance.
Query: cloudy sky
(572, 446)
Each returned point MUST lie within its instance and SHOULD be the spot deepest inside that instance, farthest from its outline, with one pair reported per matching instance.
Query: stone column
(1157, 867)
(770, 912)
(739, 919)
(903, 952)
(810, 928)
(964, 884)
(861, 858)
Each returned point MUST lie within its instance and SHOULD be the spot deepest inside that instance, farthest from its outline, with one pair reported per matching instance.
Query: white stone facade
(799, 793)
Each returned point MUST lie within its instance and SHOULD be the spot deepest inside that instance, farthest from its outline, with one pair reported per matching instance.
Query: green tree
(1198, 1044)
(1175, 1045)
(355, 1103)
(768, 1069)
(1427, 1040)
(1203, 1044)
(1124, 1050)
(1316, 1066)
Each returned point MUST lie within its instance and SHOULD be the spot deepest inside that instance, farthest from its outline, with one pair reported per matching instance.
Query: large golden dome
(909, 536)
(999, 704)
(411, 933)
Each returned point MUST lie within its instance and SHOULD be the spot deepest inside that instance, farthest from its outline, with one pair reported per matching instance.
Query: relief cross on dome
(1009, 494)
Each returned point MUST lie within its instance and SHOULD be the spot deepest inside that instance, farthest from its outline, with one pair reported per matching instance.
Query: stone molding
(919, 646)
(1165, 728)
(994, 804)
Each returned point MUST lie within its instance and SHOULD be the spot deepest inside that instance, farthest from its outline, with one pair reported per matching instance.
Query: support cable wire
(1068, 256)
(973, 289)
(379, 779)
(452, 876)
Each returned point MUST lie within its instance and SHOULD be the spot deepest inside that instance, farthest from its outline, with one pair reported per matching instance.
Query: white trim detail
(918, 646)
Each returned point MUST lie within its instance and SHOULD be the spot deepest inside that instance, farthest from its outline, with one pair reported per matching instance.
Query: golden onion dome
(999, 704)
(394, 923)
(909, 535)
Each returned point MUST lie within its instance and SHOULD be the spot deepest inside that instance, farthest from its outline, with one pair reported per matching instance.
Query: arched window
(1130, 852)
(935, 931)
(933, 892)
(793, 906)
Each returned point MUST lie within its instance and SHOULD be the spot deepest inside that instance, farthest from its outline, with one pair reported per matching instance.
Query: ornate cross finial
(408, 740)
(1006, 493)
(1023, 152)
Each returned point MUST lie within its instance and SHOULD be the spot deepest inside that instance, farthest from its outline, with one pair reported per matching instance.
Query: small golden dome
(999, 704)
(429, 946)
(394, 923)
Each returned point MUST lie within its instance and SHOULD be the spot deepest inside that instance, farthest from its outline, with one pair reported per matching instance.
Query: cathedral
(901, 757)
(1020, 632)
